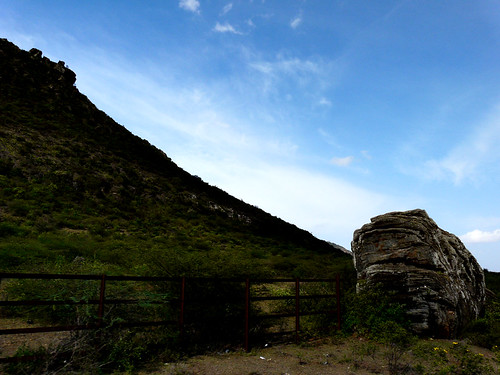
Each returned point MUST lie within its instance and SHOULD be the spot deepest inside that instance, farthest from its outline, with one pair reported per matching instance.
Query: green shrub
(50, 290)
(485, 331)
(11, 229)
(370, 310)
(36, 366)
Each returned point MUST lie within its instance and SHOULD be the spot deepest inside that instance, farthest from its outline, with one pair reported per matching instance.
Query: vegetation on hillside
(73, 183)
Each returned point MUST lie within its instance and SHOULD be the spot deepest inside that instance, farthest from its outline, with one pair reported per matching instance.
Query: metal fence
(253, 292)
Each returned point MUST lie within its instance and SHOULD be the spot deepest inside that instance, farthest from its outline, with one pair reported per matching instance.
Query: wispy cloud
(366, 154)
(330, 208)
(287, 71)
(314, 75)
(342, 162)
(226, 28)
(190, 5)
(226, 9)
(329, 138)
(477, 236)
(325, 102)
(296, 22)
(473, 159)
(291, 66)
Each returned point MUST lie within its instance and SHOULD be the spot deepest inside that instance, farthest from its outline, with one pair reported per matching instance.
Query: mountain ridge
(67, 167)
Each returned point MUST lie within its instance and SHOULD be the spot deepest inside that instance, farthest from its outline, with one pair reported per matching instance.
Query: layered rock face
(428, 269)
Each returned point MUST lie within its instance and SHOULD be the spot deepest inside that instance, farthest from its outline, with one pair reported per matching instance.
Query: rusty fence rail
(180, 301)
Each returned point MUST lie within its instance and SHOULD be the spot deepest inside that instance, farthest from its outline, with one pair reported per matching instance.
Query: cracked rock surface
(428, 269)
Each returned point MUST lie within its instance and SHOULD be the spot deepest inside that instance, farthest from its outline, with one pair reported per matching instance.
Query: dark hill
(74, 184)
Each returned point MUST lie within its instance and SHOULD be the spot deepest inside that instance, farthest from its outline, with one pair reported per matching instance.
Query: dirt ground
(313, 358)
(10, 343)
(352, 355)
(326, 357)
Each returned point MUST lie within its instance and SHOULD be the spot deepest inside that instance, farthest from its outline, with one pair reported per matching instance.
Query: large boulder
(426, 268)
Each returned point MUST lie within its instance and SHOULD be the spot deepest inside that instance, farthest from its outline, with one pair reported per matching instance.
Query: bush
(33, 367)
(370, 310)
(485, 331)
(96, 352)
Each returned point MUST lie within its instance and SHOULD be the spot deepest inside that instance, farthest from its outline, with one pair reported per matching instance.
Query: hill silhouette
(74, 184)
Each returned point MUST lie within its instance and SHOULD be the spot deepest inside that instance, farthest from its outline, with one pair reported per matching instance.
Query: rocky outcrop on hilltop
(429, 270)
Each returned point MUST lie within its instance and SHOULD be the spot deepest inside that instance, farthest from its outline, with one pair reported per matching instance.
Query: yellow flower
(455, 343)
(436, 348)
(444, 350)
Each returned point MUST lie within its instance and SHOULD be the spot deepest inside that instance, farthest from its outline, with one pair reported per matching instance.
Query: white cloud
(328, 207)
(474, 159)
(366, 154)
(226, 8)
(477, 235)
(342, 162)
(307, 78)
(296, 22)
(290, 66)
(226, 28)
(190, 5)
(329, 138)
(325, 102)
(313, 76)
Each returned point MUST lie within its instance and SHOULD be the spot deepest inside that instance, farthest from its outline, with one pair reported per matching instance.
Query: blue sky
(324, 113)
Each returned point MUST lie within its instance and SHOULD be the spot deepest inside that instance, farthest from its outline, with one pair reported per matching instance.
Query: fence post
(247, 315)
(100, 312)
(297, 310)
(337, 293)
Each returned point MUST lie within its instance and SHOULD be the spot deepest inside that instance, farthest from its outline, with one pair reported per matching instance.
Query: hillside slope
(74, 184)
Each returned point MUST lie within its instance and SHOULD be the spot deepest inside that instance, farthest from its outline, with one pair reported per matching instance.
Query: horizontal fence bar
(271, 281)
(289, 315)
(271, 298)
(277, 298)
(271, 316)
(85, 302)
(50, 276)
(186, 283)
(47, 303)
(56, 276)
(329, 312)
(15, 331)
(10, 275)
(144, 324)
(317, 296)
